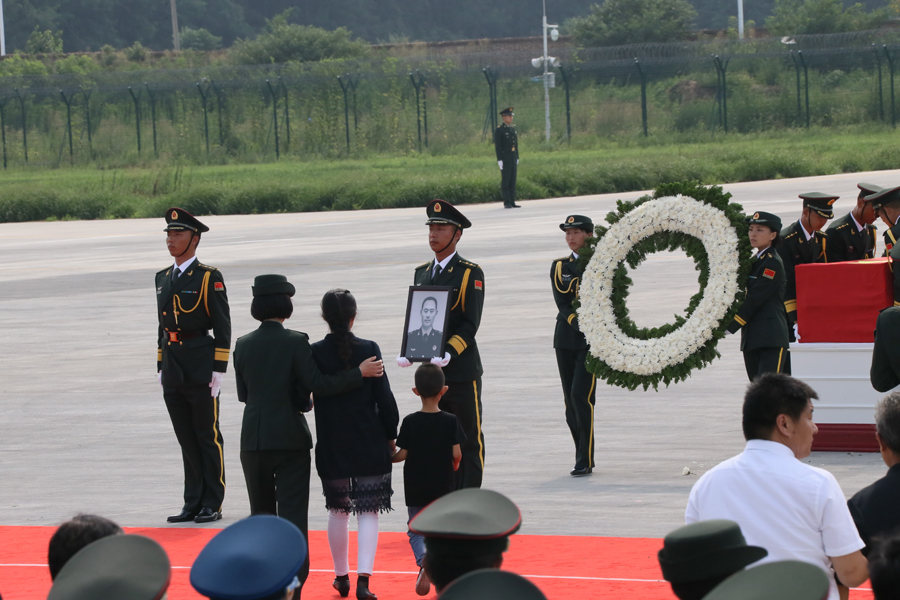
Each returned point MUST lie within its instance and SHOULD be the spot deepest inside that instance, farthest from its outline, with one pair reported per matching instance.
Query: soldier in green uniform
(579, 386)
(192, 302)
(761, 318)
(425, 341)
(886, 205)
(852, 237)
(506, 143)
(461, 362)
(804, 243)
(885, 371)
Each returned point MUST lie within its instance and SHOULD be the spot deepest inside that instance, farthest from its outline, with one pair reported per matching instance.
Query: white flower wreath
(596, 317)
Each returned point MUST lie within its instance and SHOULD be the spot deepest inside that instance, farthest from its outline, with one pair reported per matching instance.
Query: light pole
(2, 32)
(547, 62)
(740, 19)
(176, 35)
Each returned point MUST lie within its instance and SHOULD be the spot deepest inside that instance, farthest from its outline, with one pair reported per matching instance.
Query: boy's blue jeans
(416, 541)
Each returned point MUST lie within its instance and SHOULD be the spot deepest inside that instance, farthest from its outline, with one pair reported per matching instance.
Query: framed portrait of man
(427, 315)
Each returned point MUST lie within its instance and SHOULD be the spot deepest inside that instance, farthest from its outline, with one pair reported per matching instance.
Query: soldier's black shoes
(183, 517)
(511, 206)
(580, 471)
(207, 515)
(342, 584)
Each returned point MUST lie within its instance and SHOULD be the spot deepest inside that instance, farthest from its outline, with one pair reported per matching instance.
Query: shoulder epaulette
(164, 270)
(298, 333)
(792, 234)
(562, 259)
(841, 226)
(423, 265)
(469, 264)
(207, 267)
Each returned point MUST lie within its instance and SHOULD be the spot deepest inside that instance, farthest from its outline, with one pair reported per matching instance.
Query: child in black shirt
(429, 443)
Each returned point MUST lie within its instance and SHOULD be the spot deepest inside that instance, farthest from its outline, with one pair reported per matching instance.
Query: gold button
(164, 313)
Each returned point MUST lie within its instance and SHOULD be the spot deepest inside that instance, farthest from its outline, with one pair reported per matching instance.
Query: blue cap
(254, 558)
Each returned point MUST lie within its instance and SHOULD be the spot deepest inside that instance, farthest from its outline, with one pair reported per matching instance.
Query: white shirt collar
(769, 446)
(758, 254)
(803, 229)
(575, 255)
(184, 266)
(444, 262)
(855, 222)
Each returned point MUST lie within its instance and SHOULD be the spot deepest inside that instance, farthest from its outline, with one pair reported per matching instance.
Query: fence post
(274, 117)
(68, 102)
(491, 77)
(86, 96)
(723, 90)
(152, 97)
(205, 114)
(21, 100)
(220, 104)
(805, 83)
(424, 107)
(797, 70)
(137, 114)
(3, 102)
(880, 86)
(344, 87)
(637, 63)
(566, 79)
(287, 114)
(891, 70)
(418, 109)
(353, 83)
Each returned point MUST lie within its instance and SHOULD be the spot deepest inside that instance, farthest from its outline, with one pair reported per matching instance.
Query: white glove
(441, 362)
(159, 377)
(403, 362)
(517, 161)
(500, 162)
(796, 332)
(215, 384)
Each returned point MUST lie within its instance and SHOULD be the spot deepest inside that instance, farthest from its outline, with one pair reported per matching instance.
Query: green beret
(441, 212)
(783, 580)
(492, 584)
(577, 222)
(178, 219)
(706, 550)
(266, 285)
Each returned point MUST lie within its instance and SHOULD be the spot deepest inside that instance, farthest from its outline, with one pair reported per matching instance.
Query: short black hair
(770, 395)
(887, 421)
(271, 306)
(74, 535)
(884, 567)
(429, 380)
(433, 299)
(697, 590)
(443, 569)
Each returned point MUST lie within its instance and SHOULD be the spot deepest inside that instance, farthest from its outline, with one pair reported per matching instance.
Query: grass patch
(294, 186)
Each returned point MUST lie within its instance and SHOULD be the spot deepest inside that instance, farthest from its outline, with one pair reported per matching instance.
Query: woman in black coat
(275, 373)
(355, 441)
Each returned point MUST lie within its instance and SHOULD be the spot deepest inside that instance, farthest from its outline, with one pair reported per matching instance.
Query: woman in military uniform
(761, 318)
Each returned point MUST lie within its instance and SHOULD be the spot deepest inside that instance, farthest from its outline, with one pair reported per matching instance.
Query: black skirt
(358, 494)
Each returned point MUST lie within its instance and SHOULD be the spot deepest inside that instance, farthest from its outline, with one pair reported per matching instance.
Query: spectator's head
(698, 557)
(124, 567)
(884, 567)
(256, 558)
(783, 580)
(429, 381)
(464, 531)
(272, 298)
(492, 584)
(74, 535)
(779, 408)
(887, 427)
(339, 311)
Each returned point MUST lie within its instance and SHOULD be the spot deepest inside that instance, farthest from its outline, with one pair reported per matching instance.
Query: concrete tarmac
(84, 427)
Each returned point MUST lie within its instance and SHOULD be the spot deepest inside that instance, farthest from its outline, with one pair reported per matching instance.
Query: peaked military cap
(771, 221)
(507, 111)
(124, 567)
(254, 558)
(883, 197)
(441, 212)
(178, 219)
(783, 580)
(577, 221)
(492, 584)
(706, 550)
(819, 202)
(266, 285)
(472, 521)
(868, 188)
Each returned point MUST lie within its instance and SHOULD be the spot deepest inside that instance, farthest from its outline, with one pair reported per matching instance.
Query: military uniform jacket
(885, 371)
(424, 345)
(506, 142)
(761, 317)
(191, 307)
(565, 280)
(796, 250)
(275, 372)
(890, 239)
(845, 242)
(894, 253)
(466, 302)
(874, 508)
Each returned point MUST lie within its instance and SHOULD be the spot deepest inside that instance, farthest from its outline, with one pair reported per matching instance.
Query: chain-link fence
(443, 104)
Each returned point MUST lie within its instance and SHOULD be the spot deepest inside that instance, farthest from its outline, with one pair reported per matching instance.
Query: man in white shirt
(793, 510)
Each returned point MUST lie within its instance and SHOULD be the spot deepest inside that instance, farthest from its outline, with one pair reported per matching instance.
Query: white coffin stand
(845, 411)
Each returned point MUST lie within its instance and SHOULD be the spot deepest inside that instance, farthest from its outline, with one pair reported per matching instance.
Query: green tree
(620, 22)
(44, 42)
(282, 42)
(199, 39)
(799, 17)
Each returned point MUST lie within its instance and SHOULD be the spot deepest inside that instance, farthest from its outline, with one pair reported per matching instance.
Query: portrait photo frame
(422, 342)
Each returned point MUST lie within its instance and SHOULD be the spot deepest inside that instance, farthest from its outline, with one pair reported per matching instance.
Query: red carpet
(564, 567)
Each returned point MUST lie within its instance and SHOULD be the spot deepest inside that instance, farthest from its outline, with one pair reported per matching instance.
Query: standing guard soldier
(804, 243)
(579, 386)
(461, 362)
(886, 205)
(506, 143)
(852, 237)
(191, 300)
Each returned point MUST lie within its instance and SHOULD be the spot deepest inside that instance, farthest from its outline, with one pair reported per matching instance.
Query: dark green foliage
(199, 39)
(712, 195)
(804, 17)
(621, 22)
(44, 42)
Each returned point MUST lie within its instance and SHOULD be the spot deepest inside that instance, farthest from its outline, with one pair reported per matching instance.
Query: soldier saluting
(192, 303)
(506, 143)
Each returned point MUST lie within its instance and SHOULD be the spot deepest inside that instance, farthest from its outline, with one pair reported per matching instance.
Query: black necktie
(176, 272)
(437, 271)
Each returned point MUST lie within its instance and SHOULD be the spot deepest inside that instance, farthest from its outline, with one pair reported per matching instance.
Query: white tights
(339, 541)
